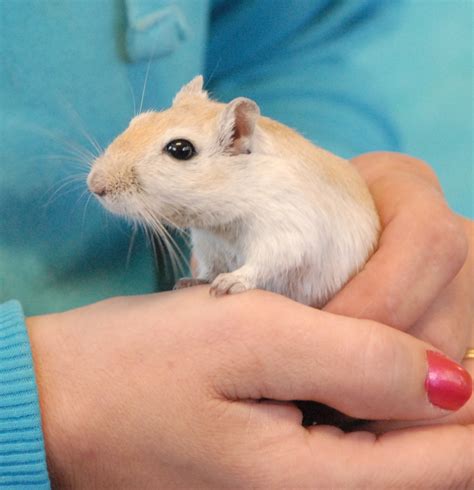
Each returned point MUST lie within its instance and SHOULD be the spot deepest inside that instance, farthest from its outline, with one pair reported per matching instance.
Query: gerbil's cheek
(119, 205)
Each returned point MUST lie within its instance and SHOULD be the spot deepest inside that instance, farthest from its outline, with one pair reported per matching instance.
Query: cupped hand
(419, 279)
(462, 417)
(445, 311)
(165, 391)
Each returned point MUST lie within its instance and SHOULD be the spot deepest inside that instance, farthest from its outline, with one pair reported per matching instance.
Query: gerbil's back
(313, 165)
(332, 213)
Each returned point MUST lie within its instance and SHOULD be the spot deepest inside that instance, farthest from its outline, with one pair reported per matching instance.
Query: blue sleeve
(22, 454)
(298, 64)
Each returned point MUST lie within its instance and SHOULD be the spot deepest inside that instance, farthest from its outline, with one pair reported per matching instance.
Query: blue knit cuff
(22, 455)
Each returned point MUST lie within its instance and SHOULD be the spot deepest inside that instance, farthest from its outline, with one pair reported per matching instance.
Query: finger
(449, 322)
(464, 416)
(361, 368)
(421, 249)
(429, 457)
(324, 457)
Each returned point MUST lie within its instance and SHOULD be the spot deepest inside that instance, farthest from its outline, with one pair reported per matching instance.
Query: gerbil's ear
(236, 125)
(193, 88)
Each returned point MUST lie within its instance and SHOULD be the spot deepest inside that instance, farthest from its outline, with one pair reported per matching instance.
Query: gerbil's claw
(189, 282)
(230, 283)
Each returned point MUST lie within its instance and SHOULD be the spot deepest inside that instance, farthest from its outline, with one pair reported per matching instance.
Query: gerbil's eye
(180, 149)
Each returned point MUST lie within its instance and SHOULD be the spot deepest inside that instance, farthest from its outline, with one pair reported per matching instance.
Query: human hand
(444, 311)
(165, 391)
(419, 279)
(462, 417)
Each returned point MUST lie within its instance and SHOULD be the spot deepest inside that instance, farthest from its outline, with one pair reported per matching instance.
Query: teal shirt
(76, 71)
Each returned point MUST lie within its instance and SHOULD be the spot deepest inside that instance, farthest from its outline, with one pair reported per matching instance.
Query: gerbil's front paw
(230, 283)
(189, 282)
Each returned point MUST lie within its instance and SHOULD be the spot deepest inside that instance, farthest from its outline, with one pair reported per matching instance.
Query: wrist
(48, 351)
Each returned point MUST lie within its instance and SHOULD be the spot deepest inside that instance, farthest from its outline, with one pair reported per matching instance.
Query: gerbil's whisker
(81, 125)
(84, 212)
(209, 78)
(68, 144)
(149, 238)
(180, 254)
(176, 255)
(66, 158)
(144, 85)
(133, 97)
(158, 240)
(132, 242)
(161, 240)
(152, 55)
(184, 234)
(70, 180)
(181, 232)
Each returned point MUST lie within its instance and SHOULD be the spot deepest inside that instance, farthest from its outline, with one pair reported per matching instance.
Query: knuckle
(391, 305)
(422, 168)
(398, 161)
(447, 240)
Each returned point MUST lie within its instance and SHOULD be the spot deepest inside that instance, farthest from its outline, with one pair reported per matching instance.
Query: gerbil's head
(181, 165)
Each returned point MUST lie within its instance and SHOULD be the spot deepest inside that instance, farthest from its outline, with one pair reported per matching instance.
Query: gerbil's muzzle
(106, 183)
(97, 183)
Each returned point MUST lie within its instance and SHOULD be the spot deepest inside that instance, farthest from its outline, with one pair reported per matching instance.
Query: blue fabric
(22, 458)
(66, 71)
(295, 60)
(424, 68)
(69, 71)
(76, 70)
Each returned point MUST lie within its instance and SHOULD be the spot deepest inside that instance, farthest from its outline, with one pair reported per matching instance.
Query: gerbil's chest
(216, 253)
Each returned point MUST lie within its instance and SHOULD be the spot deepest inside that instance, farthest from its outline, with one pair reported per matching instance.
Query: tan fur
(266, 208)
(288, 142)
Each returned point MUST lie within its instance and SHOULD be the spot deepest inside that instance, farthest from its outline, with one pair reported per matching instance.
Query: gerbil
(266, 208)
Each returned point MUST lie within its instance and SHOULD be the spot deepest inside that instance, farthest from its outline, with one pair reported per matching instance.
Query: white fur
(295, 236)
(288, 217)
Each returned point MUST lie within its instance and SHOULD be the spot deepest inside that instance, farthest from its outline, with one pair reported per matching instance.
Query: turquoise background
(316, 73)
(426, 71)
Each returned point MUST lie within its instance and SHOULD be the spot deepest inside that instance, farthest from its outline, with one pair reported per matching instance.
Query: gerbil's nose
(100, 191)
(96, 184)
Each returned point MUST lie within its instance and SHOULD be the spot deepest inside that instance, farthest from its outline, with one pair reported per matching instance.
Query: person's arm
(22, 455)
(167, 390)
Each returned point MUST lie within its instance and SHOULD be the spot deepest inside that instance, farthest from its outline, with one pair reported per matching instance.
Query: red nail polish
(448, 384)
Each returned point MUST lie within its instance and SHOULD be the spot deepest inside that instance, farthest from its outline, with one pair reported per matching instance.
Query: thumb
(364, 369)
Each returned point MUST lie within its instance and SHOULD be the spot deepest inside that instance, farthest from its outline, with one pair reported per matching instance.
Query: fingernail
(448, 384)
